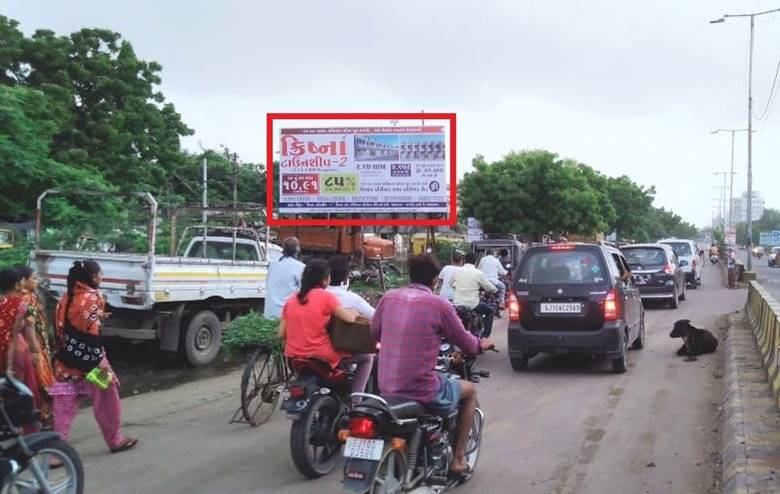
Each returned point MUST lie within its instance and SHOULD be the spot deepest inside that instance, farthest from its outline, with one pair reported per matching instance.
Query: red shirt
(307, 326)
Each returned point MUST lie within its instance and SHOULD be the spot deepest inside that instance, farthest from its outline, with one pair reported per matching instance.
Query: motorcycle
(393, 445)
(473, 322)
(317, 401)
(714, 259)
(27, 462)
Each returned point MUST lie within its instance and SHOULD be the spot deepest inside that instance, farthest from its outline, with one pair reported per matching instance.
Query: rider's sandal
(126, 444)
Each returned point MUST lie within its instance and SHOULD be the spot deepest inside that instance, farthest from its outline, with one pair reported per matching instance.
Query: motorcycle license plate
(561, 308)
(364, 449)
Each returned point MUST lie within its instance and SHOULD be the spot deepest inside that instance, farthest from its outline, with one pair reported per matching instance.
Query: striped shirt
(410, 324)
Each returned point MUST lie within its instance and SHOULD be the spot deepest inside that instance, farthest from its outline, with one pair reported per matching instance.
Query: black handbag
(79, 350)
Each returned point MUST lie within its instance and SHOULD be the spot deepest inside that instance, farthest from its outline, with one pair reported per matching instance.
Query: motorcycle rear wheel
(314, 450)
(67, 479)
(389, 476)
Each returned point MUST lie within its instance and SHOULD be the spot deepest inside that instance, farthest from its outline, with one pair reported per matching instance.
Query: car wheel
(639, 342)
(683, 296)
(519, 363)
(675, 302)
(620, 364)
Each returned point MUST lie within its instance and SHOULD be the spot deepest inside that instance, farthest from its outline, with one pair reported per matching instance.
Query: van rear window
(681, 249)
(644, 256)
(562, 267)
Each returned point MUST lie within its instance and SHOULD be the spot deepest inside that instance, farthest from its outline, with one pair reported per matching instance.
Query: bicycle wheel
(260, 387)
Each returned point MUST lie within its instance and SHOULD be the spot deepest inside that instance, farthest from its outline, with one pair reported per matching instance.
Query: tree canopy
(84, 112)
(535, 192)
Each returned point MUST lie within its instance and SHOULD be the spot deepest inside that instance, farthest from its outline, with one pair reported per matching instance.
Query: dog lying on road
(695, 341)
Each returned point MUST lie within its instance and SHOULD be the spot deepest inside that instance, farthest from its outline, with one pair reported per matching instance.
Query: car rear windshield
(645, 256)
(681, 249)
(574, 267)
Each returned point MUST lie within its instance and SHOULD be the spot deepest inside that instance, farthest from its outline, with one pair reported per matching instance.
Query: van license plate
(364, 449)
(561, 308)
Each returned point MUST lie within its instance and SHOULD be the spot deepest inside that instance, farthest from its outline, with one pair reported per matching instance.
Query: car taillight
(297, 391)
(514, 307)
(611, 306)
(668, 269)
(362, 427)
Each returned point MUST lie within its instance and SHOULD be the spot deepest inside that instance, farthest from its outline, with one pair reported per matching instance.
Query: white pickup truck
(183, 301)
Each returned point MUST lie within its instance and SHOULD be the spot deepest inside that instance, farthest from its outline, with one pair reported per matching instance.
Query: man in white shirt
(491, 266)
(284, 278)
(339, 286)
(467, 282)
(447, 274)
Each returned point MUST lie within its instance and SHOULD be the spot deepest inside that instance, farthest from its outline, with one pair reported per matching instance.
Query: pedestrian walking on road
(17, 338)
(77, 326)
(41, 353)
(732, 268)
(284, 278)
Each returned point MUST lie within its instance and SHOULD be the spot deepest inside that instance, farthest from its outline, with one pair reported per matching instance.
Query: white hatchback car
(687, 252)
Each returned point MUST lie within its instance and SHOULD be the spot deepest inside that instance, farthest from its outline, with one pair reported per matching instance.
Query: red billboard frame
(270, 118)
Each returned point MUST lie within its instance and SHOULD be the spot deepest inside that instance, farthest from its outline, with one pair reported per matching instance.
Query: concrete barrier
(763, 313)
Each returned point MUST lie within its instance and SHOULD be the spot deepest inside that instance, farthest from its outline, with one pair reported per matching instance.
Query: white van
(687, 252)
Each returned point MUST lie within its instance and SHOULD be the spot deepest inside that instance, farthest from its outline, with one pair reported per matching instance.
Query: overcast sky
(626, 87)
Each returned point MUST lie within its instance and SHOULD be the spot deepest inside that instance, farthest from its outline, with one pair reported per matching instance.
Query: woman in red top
(305, 318)
(17, 338)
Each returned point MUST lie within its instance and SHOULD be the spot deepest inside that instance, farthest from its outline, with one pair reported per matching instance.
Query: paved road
(566, 425)
(768, 277)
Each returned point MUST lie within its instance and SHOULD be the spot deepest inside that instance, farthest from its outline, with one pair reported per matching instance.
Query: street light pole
(732, 172)
(750, 124)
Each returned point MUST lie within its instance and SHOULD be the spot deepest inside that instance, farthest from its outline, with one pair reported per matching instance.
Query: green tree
(632, 204)
(110, 117)
(532, 192)
(26, 133)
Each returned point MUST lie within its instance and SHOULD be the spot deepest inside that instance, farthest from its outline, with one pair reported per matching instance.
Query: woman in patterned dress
(82, 308)
(41, 359)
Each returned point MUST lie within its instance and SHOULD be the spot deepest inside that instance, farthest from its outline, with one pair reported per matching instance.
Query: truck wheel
(202, 339)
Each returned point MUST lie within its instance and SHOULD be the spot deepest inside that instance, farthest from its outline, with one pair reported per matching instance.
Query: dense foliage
(84, 112)
(534, 193)
(252, 330)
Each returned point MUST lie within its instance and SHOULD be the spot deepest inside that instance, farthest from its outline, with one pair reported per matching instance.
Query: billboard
(770, 239)
(363, 170)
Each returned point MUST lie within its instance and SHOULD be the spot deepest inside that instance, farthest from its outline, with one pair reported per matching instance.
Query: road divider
(763, 313)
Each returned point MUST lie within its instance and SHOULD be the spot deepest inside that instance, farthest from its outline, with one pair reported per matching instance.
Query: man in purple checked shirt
(410, 323)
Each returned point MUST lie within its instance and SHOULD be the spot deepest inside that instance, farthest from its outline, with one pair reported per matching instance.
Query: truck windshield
(223, 250)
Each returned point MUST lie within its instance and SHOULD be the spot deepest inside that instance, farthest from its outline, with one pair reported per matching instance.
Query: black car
(574, 298)
(657, 272)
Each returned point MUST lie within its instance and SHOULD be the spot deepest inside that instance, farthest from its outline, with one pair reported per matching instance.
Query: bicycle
(264, 379)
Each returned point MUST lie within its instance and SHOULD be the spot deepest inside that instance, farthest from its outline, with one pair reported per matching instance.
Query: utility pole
(723, 198)
(750, 124)
(732, 172)
(205, 198)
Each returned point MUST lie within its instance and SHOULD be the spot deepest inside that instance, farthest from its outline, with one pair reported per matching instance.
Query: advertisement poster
(363, 170)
